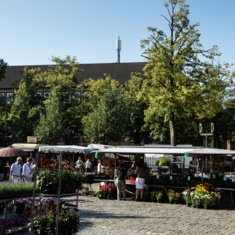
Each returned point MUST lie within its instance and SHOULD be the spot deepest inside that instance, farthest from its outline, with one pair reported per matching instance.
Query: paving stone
(112, 217)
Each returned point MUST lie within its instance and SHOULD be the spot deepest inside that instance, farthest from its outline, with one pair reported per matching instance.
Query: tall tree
(3, 67)
(60, 81)
(25, 109)
(107, 119)
(135, 131)
(177, 74)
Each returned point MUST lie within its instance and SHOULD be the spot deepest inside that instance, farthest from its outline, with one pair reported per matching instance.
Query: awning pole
(58, 194)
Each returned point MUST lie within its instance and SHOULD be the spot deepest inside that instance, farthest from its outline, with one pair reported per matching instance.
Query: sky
(32, 32)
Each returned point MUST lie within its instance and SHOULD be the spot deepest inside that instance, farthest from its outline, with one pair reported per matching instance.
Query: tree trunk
(172, 132)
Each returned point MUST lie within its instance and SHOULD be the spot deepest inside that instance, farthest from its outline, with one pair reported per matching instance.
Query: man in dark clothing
(121, 186)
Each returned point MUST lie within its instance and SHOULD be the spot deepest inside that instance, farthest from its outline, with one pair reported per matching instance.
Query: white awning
(27, 147)
(65, 149)
(100, 146)
(171, 150)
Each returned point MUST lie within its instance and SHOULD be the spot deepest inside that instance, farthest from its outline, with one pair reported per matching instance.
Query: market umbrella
(12, 152)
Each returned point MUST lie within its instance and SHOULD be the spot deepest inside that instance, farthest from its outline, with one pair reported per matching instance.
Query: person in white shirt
(27, 171)
(100, 167)
(79, 164)
(16, 170)
(88, 165)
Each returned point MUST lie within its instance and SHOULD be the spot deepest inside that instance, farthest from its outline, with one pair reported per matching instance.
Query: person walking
(16, 171)
(27, 170)
(121, 185)
(141, 173)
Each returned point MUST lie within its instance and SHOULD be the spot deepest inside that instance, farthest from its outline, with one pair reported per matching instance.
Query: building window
(78, 96)
(66, 97)
(9, 98)
(47, 95)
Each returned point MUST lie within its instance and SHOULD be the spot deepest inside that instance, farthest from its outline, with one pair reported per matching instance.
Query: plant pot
(188, 204)
(206, 207)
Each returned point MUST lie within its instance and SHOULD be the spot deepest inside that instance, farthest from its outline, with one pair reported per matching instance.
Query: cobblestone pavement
(112, 217)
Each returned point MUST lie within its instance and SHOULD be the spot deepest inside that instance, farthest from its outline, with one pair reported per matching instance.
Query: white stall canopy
(168, 150)
(64, 149)
(27, 147)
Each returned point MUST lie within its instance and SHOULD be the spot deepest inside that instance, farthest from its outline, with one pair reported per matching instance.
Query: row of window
(9, 95)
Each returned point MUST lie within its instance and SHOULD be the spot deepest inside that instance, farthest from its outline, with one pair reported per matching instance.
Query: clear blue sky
(34, 31)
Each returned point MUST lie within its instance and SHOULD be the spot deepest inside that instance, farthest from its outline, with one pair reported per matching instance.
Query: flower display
(207, 199)
(173, 196)
(159, 195)
(108, 191)
(204, 195)
(186, 195)
(47, 180)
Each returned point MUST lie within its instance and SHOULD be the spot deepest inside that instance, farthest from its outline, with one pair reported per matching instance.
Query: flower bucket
(132, 180)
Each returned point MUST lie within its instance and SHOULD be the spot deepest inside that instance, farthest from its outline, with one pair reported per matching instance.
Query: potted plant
(47, 180)
(196, 199)
(99, 194)
(187, 197)
(153, 196)
(164, 161)
(44, 222)
(215, 199)
(206, 200)
(159, 196)
(13, 190)
(176, 197)
(170, 195)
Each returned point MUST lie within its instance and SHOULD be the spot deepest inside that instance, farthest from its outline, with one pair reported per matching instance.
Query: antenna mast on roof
(118, 47)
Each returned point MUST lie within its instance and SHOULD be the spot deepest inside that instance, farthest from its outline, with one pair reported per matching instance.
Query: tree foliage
(3, 67)
(107, 119)
(58, 109)
(24, 113)
(178, 77)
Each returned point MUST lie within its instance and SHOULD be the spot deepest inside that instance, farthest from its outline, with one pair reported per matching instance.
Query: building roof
(118, 71)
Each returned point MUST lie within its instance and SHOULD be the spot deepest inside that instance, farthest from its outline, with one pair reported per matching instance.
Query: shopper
(79, 164)
(16, 170)
(141, 173)
(88, 165)
(27, 171)
(121, 185)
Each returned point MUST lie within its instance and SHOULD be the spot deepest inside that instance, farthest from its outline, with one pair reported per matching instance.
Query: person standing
(121, 186)
(100, 167)
(27, 170)
(79, 164)
(16, 170)
(88, 165)
(141, 172)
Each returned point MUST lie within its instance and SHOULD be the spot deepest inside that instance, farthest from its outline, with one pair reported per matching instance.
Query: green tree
(178, 78)
(58, 113)
(135, 131)
(25, 109)
(3, 67)
(107, 118)
(4, 108)
(50, 127)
